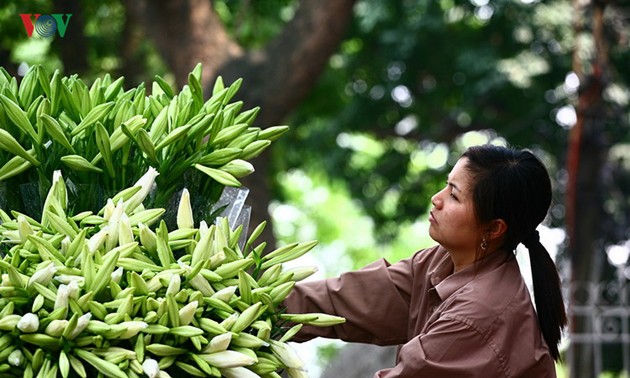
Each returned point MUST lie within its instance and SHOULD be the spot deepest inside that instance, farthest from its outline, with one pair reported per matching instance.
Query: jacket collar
(446, 282)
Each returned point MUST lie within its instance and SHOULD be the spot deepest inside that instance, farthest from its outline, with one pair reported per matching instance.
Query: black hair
(514, 185)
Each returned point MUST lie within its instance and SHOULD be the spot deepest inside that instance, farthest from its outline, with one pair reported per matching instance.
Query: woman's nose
(435, 200)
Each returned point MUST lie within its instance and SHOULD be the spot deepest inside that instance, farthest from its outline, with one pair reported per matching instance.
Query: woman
(461, 308)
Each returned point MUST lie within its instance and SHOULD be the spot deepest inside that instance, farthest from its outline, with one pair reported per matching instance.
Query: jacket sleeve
(450, 348)
(374, 300)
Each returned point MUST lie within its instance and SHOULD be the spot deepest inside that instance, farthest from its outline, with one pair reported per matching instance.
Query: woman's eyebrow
(452, 185)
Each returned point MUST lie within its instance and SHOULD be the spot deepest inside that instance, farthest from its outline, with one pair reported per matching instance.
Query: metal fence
(600, 333)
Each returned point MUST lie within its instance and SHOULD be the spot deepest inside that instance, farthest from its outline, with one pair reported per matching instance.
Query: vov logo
(46, 25)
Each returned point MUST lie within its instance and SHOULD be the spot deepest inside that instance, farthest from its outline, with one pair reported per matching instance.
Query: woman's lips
(432, 218)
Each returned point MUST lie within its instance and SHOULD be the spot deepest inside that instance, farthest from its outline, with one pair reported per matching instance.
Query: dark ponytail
(514, 185)
(547, 294)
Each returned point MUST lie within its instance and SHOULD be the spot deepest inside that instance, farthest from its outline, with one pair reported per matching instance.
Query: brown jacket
(478, 322)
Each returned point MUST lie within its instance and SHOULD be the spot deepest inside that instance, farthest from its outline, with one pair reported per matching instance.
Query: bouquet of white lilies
(117, 294)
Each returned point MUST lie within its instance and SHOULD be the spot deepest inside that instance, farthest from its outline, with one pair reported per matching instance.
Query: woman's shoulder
(499, 296)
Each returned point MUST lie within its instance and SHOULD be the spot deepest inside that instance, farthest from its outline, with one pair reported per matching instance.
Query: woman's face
(452, 219)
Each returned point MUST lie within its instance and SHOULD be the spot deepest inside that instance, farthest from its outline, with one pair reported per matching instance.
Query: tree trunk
(586, 156)
(74, 40)
(276, 78)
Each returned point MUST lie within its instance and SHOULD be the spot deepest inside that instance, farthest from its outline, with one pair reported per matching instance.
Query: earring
(484, 244)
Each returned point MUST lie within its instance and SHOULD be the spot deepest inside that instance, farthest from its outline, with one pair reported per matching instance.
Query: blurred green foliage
(412, 84)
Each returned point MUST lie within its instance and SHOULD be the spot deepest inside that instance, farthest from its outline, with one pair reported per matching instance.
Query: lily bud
(225, 294)
(148, 239)
(117, 275)
(16, 358)
(44, 273)
(113, 225)
(97, 240)
(238, 372)
(198, 282)
(151, 368)
(227, 359)
(316, 319)
(133, 328)
(146, 183)
(61, 301)
(286, 354)
(303, 272)
(73, 289)
(187, 313)
(297, 373)
(219, 343)
(56, 327)
(29, 323)
(65, 245)
(24, 228)
(125, 233)
(60, 187)
(109, 209)
(68, 279)
(82, 323)
(174, 284)
(184, 211)
(203, 228)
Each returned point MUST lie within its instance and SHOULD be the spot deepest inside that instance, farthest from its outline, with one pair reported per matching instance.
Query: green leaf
(9, 144)
(102, 142)
(18, 116)
(218, 175)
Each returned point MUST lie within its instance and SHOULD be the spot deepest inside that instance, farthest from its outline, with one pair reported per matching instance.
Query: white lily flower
(146, 183)
(44, 273)
(151, 368)
(184, 211)
(16, 358)
(6, 281)
(61, 301)
(29, 323)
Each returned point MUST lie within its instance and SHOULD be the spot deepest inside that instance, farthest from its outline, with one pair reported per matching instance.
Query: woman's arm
(374, 301)
(449, 349)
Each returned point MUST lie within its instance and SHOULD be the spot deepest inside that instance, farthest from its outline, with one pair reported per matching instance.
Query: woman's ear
(496, 229)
